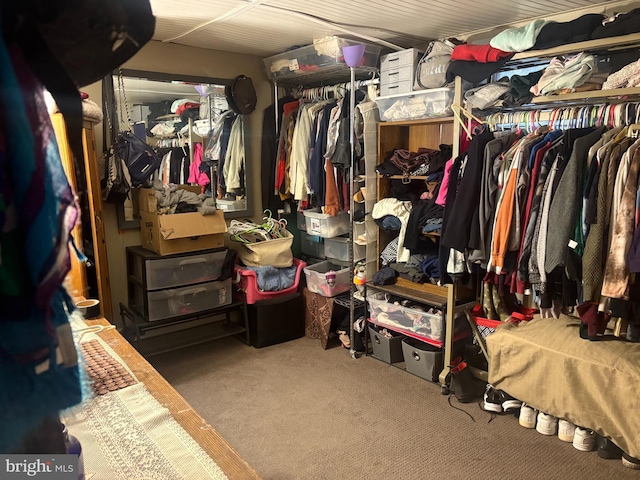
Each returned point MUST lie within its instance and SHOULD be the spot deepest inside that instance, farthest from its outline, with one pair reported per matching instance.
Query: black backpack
(140, 159)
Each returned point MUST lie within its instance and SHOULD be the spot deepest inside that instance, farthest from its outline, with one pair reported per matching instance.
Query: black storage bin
(276, 320)
(387, 349)
(422, 359)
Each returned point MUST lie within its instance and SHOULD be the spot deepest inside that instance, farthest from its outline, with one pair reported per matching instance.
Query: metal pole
(352, 106)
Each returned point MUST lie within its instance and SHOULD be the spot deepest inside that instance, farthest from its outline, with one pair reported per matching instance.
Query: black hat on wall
(241, 95)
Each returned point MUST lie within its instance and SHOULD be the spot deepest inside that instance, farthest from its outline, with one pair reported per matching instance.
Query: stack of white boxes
(397, 71)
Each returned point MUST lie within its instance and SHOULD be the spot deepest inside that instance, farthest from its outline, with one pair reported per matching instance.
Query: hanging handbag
(431, 71)
(140, 159)
(117, 188)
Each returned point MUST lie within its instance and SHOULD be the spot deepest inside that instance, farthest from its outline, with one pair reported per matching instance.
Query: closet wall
(179, 59)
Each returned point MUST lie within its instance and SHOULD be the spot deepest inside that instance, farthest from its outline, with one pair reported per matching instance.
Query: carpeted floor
(295, 411)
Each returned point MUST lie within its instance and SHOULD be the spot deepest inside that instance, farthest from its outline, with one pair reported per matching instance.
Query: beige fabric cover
(595, 385)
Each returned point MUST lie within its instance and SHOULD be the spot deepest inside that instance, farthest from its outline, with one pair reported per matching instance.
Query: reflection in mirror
(188, 122)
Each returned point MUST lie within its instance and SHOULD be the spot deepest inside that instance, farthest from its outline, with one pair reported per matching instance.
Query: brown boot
(487, 302)
(499, 304)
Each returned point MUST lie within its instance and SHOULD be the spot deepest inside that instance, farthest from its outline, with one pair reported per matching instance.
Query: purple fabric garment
(49, 211)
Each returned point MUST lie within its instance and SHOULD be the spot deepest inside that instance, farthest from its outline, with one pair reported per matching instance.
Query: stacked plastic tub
(274, 317)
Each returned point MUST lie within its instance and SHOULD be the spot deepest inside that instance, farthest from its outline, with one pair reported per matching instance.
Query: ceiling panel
(268, 27)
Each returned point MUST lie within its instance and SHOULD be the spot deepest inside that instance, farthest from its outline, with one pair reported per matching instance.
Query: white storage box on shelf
(322, 55)
(326, 226)
(404, 319)
(338, 248)
(319, 282)
(312, 245)
(397, 70)
(231, 205)
(420, 104)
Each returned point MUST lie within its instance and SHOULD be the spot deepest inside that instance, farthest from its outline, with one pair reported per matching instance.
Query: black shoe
(509, 404)
(607, 449)
(492, 401)
(464, 385)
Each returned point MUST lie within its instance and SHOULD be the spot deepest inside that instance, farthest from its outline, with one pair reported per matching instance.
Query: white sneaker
(584, 439)
(527, 416)
(566, 431)
(547, 424)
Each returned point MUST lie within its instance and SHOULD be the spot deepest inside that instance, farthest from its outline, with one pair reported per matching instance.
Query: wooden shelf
(400, 177)
(423, 121)
(591, 95)
(610, 44)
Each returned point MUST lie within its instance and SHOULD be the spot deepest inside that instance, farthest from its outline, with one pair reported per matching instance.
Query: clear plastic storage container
(231, 205)
(325, 225)
(185, 270)
(312, 245)
(323, 54)
(435, 102)
(338, 248)
(404, 319)
(319, 282)
(186, 300)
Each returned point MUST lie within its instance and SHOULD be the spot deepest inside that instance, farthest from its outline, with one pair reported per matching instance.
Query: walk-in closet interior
(296, 240)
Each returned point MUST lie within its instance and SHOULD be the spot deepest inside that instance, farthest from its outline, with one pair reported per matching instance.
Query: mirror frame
(108, 98)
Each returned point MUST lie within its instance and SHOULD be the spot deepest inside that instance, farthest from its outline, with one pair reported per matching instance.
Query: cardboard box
(181, 232)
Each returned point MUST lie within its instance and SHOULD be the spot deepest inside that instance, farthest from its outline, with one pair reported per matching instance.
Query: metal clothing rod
(322, 91)
(574, 116)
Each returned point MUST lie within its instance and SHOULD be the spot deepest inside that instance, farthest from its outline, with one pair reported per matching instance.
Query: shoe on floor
(566, 431)
(607, 449)
(527, 417)
(465, 386)
(547, 424)
(509, 404)
(492, 401)
(630, 462)
(584, 439)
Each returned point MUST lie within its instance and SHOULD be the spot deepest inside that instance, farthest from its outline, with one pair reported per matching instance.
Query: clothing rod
(346, 86)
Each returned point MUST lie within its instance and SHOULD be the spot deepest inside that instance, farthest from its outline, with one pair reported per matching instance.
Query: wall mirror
(189, 123)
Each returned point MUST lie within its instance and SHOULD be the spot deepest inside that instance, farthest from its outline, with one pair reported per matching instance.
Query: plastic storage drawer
(338, 248)
(312, 245)
(404, 319)
(391, 61)
(181, 271)
(416, 105)
(422, 359)
(387, 349)
(249, 284)
(188, 300)
(326, 226)
(324, 54)
(317, 281)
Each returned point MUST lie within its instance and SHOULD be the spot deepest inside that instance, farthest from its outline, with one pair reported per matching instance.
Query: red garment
(186, 106)
(281, 159)
(479, 53)
(331, 201)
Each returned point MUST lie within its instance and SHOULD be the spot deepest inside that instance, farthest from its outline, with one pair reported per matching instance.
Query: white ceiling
(269, 27)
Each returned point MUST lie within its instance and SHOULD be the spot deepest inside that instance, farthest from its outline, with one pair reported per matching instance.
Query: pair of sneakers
(545, 424)
(498, 401)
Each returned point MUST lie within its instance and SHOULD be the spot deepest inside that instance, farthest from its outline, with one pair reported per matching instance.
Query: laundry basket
(247, 281)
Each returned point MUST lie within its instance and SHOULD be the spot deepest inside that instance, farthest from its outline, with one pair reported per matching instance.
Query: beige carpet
(295, 411)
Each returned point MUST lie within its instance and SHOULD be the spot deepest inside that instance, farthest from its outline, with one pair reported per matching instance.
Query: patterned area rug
(126, 434)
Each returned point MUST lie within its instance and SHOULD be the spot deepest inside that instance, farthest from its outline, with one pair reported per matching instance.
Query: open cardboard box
(180, 232)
